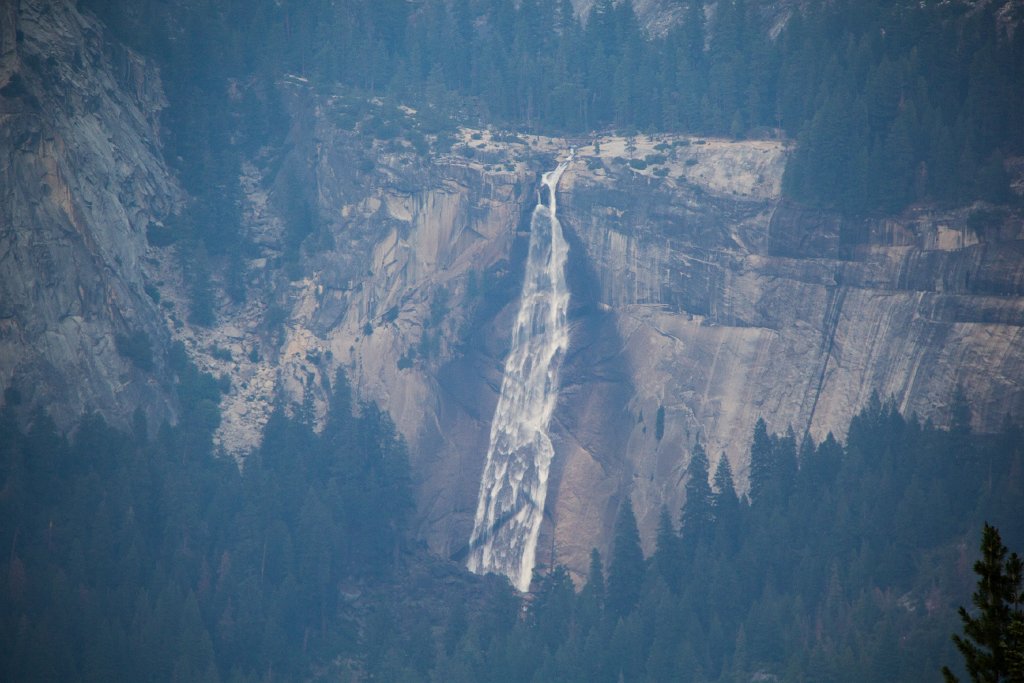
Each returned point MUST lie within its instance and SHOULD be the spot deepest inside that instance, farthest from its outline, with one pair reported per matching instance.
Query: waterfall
(514, 486)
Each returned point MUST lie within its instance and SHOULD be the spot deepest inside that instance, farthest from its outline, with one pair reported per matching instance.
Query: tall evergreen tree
(592, 597)
(786, 462)
(989, 644)
(667, 551)
(626, 569)
(725, 490)
(595, 577)
(725, 504)
(697, 514)
(761, 461)
(551, 610)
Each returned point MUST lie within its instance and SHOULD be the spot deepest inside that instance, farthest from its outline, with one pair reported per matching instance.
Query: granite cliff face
(732, 305)
(697, 292)
(81, 178)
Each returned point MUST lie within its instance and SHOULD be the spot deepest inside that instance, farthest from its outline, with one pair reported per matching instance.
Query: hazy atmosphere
(511, 340)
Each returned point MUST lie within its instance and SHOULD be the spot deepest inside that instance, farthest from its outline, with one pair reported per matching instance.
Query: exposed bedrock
(81, 179)
(695, 291)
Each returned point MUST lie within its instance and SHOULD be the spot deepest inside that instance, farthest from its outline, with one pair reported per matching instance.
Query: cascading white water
(515, 480)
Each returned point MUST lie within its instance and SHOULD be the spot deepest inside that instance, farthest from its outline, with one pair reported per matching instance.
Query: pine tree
(725, 504)
(761, 465)
(551, 611)
(725, 490)
(697, 516)
(667, 558)
(626, 569)
(991, 641)
(786, 462)
(591, 599)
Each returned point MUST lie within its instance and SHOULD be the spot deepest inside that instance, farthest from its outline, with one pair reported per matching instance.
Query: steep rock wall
(734, 306)
(696, 291)
(81, 178)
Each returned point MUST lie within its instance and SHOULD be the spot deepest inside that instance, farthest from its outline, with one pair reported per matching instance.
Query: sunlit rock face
(732, 305)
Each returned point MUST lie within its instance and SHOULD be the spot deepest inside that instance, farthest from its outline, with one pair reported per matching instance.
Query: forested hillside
(149, 559)
(891, 102)
(138, 558)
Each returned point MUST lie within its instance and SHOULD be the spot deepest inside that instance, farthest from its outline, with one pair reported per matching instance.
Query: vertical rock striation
(733, 305)
(81, 178)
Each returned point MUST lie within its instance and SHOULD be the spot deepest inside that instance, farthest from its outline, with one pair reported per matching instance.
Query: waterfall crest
(514, 485)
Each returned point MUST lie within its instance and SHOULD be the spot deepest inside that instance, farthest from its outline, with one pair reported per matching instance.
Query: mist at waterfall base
(513, 489)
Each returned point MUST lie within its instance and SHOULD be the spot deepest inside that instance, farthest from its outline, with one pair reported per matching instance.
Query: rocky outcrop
(81, 178)
(655, 16)
(658, 17)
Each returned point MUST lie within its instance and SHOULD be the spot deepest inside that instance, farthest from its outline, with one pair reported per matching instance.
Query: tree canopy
(891, 102)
